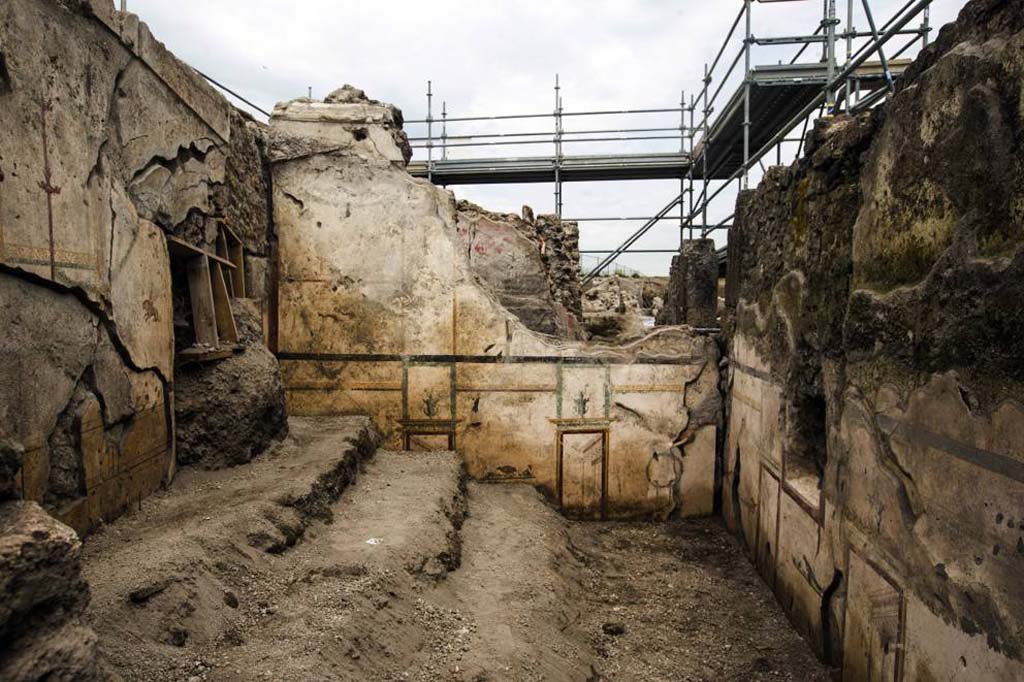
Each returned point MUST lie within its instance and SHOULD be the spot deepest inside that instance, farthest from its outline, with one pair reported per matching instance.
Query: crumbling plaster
(874, 288)
(530, 266)
(382, 311)
(112, 144)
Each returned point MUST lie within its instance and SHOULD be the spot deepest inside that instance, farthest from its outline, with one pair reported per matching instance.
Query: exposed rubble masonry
(391, 303)
(116, 149)
(876, 372)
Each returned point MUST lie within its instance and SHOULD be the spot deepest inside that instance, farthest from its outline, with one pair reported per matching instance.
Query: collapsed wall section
(382, 312)
(526, 265)
(873, 456)
(617, 308)
(42, 599)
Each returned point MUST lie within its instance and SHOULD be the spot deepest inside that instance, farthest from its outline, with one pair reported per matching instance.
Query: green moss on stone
(907, 259)
(798, 223)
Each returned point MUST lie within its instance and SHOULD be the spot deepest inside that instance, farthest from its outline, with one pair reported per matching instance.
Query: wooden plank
(232, 237)
(237, 276)
(179, 248)
(236, 254)
(190, 355)
(182, 249)
(222, 244)
(200, 292)
(222, 306)
(222, 252)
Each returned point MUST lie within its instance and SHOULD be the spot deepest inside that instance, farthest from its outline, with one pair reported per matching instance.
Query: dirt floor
(410, 574)
(689, 605)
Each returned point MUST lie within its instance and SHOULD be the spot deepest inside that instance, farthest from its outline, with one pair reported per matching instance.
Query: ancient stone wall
(110, 150)
(876, 407)
(522, 268)
(622, 308)
(692, 296)
(383, 312)
(559, 244)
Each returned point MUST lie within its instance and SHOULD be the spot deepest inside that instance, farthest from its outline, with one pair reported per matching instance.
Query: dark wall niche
(806, 451)
(5, 76)
(184, 335)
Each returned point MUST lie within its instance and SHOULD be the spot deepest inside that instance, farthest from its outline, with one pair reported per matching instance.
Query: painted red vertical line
(48, 188)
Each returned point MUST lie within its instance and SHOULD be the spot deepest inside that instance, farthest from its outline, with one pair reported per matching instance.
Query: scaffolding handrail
(502, 117)
(837, 83)
(620, 270)
(549, 133)
(524, 143)
(634, 237)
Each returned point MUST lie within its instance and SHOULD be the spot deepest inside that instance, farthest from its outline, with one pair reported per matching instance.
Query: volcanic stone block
(42, 596)
(692, 290)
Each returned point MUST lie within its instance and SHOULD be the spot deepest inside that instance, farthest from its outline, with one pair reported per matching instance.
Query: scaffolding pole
(430, 132)
(558, 149)
(881, 53)
(444, 130)
(705, 142)
(682, 149)
(689, 171)
(747, 44)
(830, 34)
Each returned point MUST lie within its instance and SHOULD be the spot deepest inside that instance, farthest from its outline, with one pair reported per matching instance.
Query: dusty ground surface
(398, 583)
(519, 589)
(689, 603)
(190, 570)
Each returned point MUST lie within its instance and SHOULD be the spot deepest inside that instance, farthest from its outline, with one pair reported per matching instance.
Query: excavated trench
(325, 560)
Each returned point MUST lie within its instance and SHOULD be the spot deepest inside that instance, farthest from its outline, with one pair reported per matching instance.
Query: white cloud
(493, 57)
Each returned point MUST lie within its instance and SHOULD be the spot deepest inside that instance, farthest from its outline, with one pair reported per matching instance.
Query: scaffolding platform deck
(662, 166)
(777, 94)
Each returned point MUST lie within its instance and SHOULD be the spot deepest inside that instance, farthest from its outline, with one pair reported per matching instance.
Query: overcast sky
(490, 57)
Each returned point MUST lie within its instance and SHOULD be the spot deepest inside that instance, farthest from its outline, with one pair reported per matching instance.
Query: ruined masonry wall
(109, 143)
(692, 296)
(523, 268)
(382, 312)
(873, 459)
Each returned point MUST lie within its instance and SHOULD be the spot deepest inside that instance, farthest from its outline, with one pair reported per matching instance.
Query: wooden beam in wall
(226, 329)
(200, 289)
(179, 248)
(236, 254)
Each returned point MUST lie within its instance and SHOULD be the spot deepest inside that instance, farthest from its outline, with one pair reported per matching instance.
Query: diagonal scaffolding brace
(836, 82)
(717, 142)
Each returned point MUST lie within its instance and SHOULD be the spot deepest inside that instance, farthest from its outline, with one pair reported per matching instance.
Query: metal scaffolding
(718, 148)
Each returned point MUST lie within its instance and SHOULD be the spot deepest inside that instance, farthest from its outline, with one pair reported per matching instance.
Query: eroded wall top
(398, 302)
(876, 398)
